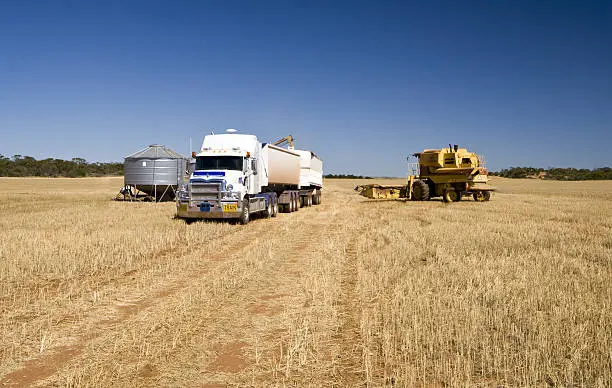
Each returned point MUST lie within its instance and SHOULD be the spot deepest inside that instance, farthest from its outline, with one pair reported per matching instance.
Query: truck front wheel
(269, 210)
(244, 215)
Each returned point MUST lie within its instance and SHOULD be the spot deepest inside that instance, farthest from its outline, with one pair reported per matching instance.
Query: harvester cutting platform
(449, 173)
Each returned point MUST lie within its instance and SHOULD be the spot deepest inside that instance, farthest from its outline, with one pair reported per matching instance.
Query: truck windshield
(219, 163)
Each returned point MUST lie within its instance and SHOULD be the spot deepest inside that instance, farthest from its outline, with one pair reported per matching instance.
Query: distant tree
(20, 165)
(553, 173)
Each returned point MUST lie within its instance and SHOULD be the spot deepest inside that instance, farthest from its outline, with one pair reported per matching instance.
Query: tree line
(22, 166)
(346, 176)
(561, 174)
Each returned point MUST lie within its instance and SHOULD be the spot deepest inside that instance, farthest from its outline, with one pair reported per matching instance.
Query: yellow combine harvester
(449, 173)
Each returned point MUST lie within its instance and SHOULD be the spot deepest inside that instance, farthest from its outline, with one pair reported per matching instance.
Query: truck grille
(204, 192)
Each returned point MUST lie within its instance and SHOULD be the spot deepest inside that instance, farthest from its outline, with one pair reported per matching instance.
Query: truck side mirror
(254, 166)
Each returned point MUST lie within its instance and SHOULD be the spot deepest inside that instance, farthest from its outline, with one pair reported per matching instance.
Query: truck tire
(275, 209)
(309, 200)
(296, 202)
(451, 195)
(269, 210)
(481, 196)
(244, 215)
(420, 191)
(302, 203)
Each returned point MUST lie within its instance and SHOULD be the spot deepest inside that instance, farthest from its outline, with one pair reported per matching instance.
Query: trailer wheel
(451, 195)
(316, 200)
(244, 215)
(296, 202)
(481, 196)
(309, 200)
(302, 203)
(420, 191)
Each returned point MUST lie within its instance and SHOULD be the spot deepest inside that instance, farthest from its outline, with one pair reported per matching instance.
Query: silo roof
(156, 151)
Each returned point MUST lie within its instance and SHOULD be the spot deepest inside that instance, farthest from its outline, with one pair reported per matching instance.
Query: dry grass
(512, 292)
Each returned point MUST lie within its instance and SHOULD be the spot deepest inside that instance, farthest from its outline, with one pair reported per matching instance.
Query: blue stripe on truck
(211, 173)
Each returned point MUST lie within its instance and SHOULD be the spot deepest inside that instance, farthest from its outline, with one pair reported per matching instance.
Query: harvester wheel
(481, 196)
(244, 215)
(420, 191)
(451, 195)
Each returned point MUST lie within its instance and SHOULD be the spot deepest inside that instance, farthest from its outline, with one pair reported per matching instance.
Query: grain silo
(156, 171)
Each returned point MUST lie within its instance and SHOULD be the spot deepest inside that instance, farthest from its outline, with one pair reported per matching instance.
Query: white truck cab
(236, 158)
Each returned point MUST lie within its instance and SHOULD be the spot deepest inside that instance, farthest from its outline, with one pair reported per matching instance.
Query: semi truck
(236, 176)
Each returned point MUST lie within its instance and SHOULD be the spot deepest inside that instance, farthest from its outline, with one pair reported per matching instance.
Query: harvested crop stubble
(515, 291)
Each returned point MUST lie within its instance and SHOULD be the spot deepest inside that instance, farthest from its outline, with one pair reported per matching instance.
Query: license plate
(204, 207)
(230, 207)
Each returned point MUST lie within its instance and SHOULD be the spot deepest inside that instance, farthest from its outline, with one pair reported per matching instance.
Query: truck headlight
(230, 187)
(183, 194)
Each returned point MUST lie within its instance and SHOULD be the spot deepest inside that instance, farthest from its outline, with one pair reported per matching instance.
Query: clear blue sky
(362, 84)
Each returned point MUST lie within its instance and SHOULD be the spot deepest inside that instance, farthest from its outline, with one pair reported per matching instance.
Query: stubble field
(353, 292)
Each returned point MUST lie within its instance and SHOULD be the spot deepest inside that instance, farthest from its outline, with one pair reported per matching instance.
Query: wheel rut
(350, 368)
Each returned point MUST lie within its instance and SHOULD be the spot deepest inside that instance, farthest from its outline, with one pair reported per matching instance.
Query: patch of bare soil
(230, 358)
(265, 309)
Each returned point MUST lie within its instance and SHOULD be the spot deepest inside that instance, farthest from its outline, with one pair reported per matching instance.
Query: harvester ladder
(413, 174)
